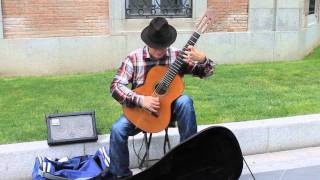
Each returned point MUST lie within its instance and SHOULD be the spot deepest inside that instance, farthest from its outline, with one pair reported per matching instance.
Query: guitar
(165, 83)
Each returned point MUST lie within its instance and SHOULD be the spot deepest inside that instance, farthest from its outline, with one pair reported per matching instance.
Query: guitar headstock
(205, 21)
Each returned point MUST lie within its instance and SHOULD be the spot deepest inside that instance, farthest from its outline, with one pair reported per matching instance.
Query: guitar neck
(178, 64)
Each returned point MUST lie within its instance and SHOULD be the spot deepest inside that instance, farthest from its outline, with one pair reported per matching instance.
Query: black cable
(248, 168)
(135, 152)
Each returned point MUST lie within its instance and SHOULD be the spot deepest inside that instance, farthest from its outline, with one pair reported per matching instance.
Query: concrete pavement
(299, 164)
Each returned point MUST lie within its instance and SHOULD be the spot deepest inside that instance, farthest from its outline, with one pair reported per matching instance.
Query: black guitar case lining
(212, 154)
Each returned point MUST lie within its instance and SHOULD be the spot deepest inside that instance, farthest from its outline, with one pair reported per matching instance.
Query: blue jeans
(182, 112)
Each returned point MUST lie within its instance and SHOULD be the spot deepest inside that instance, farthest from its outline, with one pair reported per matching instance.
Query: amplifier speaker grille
(71, 128)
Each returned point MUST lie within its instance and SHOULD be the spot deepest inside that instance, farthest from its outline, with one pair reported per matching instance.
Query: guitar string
(159, 87)
(169, 74)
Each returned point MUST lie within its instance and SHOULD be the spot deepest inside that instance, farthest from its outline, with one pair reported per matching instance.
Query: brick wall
(48, 18)
(231, 15)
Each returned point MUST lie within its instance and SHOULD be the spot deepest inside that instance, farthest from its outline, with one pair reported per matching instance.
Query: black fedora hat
(159, 34)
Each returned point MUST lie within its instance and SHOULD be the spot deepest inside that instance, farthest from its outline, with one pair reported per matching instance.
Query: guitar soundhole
(160, 90)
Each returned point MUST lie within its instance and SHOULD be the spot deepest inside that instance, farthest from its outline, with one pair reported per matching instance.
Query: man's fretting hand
(192, 54)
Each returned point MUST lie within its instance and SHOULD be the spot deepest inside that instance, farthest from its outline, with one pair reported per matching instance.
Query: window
(311, 6)
(151, 8)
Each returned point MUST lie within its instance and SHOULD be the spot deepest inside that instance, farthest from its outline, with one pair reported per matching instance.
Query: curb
(255, 137)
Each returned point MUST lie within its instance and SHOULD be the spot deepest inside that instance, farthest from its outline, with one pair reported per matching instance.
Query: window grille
(311, 6)
(140, 9)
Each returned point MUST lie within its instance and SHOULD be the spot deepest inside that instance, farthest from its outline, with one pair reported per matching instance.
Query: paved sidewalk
(299, 164)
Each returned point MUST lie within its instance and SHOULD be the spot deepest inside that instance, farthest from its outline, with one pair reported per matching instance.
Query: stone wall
(276, 30)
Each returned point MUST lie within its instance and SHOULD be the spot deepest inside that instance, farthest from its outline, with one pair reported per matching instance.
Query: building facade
(70, 36)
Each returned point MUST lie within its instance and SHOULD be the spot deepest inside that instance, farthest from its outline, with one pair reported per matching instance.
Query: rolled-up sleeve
(201, 69)
(119, 86)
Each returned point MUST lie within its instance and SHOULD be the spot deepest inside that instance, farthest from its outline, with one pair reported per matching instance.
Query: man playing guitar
(158, 36)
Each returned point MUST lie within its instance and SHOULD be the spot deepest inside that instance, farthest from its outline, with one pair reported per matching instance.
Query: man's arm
(125, 96)
(119, 86)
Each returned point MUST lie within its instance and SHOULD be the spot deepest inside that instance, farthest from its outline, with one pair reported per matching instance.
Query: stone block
(252, 140)
(18, 159)
(218, 46)
(309, 39)
(199, 7)
(182, 39)
(310, 20)
(261, 4)
(45, 56)
(290, 3)
(133, 41)
(287, 45)
(29, 56)
(91, 54)
(261, 19)
(254, 47)
(92, 147)
(5, 57)
(288, 20)
(116, 9)
(312, 36)
(294, 135)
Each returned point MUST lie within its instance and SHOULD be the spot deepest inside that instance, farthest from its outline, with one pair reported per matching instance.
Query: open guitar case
(212, 154)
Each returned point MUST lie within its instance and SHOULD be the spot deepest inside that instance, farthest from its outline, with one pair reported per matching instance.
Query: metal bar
(146, 157)
(153, 8)
(166, 142)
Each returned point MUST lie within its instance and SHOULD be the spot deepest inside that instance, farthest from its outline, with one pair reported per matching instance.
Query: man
(158, 37)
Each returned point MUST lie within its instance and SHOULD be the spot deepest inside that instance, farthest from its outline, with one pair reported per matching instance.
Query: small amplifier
(71, 128)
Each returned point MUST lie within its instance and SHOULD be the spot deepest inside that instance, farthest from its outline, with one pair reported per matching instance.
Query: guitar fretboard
(178, 64)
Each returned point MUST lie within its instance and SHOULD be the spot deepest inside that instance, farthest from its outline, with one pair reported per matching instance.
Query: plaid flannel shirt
(136, 66)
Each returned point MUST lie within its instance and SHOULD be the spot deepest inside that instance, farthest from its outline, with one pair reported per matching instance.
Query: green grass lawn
(235, 93)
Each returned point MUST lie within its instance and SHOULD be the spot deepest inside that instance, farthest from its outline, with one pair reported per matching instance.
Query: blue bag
(81, 167)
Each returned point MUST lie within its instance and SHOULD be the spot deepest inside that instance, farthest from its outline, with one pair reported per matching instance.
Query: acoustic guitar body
(143, 119)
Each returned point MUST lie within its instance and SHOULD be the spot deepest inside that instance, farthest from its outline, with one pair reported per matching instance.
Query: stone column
(1, 21)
